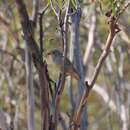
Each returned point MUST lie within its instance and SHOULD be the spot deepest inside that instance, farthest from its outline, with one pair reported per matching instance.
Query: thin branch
(60, 86)
(53, 8)
(112, 33)
(27, 29)
(41, 33)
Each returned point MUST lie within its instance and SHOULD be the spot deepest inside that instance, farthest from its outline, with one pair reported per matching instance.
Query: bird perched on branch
(58, 59)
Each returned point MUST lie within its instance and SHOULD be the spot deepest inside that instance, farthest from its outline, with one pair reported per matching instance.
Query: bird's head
(55, 56)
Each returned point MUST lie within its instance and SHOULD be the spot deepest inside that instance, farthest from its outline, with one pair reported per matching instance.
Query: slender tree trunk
(41, 67)
(76, 54)
(30, 91)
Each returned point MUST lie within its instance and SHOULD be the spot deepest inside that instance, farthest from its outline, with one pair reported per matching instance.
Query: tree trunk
(76, 55)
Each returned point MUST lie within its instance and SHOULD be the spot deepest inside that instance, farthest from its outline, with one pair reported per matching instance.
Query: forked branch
(113, 30)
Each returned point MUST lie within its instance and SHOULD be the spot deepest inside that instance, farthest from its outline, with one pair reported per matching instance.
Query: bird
(58, 60)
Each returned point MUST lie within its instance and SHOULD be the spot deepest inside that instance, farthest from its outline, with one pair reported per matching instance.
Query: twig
(41, 33)
(42, 11)
(64, 36)
(60, 86)
(53, 8)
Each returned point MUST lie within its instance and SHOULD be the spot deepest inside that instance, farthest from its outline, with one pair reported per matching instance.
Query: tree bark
(38, 62)
(76, 55)
(30, 91)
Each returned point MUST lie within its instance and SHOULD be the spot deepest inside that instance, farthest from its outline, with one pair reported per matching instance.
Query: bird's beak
(48, 54)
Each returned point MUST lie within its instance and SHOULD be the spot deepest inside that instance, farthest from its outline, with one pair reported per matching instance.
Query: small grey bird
(58, 59)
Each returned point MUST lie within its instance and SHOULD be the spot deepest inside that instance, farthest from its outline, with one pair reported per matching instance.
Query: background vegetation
(108, 103)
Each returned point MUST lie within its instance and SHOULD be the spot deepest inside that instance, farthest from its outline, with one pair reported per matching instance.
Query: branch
(113, 30)
(53, 8)
(41, 33)
(27, 29)
(38, 61)
(60, 86)
(76, 54)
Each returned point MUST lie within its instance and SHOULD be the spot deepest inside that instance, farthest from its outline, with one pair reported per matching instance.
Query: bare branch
(60, 86)
(54, 10)
(38, 61)
(41, 33)
(113, 29)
